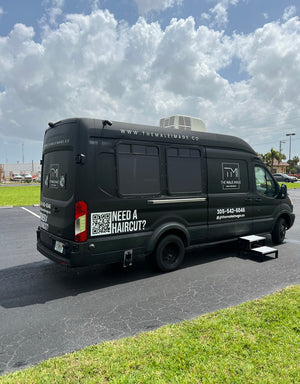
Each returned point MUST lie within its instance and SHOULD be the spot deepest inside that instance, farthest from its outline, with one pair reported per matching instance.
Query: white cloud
(91, 65)
(54, 9)
(219, 13)
(145, 6)
(289, 12)
(271, 58)
(187, 61)
(1, 11)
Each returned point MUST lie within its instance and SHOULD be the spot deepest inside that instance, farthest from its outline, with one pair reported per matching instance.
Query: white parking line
(34, 214)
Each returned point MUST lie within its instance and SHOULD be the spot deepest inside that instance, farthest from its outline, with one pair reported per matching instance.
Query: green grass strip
(20, 195)
(256, 342)
(292, 185)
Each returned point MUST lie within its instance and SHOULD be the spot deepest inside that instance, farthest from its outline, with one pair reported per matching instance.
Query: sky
(233, 63)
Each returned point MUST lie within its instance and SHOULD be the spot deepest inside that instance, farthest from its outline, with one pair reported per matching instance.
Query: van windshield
(57, 180)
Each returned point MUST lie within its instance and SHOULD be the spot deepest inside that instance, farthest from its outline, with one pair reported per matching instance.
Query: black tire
(279, 231)
(169, 253)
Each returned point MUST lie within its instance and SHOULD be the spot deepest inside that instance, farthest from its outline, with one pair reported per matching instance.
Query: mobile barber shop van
(112, 192)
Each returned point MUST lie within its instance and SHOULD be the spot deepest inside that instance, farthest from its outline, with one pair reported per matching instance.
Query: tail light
(81, 221)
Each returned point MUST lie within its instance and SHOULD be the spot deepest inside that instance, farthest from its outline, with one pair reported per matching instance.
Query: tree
(293, 164)
(269, 158)
(1, 173)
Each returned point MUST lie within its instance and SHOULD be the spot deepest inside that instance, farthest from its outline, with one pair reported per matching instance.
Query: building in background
(34, 169)
(187, 123)
(280, 167)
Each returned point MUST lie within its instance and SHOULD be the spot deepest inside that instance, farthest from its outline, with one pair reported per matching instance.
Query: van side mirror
(282, 192)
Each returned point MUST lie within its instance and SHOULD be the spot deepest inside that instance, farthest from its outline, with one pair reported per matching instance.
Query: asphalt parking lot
(47, 311)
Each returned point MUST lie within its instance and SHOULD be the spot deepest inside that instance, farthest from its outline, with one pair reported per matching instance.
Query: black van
(112, 192)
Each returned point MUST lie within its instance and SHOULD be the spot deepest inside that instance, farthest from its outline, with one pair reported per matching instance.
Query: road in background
(47, 311)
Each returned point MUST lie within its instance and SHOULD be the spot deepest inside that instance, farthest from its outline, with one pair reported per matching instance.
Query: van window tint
(106, 173)
(265, 185)
(139, 149)
(138, 170)
(124, 148)
(184, 170)
(227, 176)
(58, 181)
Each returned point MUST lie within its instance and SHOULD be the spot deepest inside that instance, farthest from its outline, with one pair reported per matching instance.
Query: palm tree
(273, 155)
(293, 164)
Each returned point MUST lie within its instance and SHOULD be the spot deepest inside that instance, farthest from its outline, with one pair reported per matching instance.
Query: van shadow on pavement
(43, 281)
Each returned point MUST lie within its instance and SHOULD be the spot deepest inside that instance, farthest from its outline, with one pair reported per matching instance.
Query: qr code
(101, 223)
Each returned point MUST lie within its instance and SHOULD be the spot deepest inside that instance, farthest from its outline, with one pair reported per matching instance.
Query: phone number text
(229, 211)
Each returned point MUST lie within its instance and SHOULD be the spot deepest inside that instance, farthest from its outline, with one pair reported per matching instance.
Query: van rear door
(58, 181)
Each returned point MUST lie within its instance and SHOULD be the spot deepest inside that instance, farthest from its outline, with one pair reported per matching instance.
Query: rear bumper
(46, 243)
(86, 253)
(52, 255)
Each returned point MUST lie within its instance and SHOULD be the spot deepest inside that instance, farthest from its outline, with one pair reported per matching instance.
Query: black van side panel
(116, 207)
(230, 205)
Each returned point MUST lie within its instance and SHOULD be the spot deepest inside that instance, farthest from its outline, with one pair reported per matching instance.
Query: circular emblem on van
(62, 181)
(47, 181)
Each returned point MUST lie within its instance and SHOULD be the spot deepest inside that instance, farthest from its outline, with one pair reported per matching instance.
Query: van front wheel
(279, 231)
(169, 253)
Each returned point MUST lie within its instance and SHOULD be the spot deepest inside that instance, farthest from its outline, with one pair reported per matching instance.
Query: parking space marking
(34, 214)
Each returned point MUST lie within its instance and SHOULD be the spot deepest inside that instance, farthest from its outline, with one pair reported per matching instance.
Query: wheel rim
(170, 254)
(282, 230)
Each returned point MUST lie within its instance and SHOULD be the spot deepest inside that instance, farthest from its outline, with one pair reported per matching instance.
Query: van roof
(115, 129)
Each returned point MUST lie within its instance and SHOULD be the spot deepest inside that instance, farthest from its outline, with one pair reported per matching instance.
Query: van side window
(184, 170)
(138, 169)
(265, 185)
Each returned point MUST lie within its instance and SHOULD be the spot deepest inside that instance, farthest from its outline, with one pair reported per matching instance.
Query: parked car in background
(285, 178)
(27, 177)
(15, 176)
(294, 178)
(36, 178)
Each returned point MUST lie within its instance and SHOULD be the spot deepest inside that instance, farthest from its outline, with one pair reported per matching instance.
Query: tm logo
(231, 176)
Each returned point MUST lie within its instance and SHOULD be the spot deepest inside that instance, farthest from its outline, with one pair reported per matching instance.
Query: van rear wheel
(279, 231)
(169, 253)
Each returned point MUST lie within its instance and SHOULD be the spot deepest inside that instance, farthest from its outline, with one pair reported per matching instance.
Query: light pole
(281, 142)
(23, 152)
(290, 134)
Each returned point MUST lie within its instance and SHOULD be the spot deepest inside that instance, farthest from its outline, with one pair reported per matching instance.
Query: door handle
(258, 199)
(248, 199)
